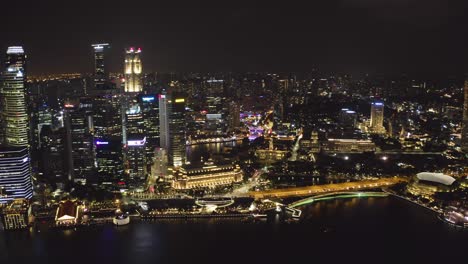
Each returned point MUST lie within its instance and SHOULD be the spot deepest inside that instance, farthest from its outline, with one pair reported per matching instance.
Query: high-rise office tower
(172, 128)
(177, 129)
(78, 122)
(106, 116)
(101, 75)
(15, 174)
(347, 118)
(377, 118)
(133, 70)
(109, 157)
(134, 123)
(13, 94)
(52, 152)
(464, 142)
(149, 105)
(135, 160)
(234, 116)
(163, 121)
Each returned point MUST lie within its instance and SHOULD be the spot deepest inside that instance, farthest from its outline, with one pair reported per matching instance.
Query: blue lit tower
(15, 174)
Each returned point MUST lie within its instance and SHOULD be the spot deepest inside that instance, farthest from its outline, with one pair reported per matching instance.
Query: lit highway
(327, 188)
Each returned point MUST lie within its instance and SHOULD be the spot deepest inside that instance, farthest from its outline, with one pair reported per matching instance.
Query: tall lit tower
(13, 94)
(177, 131)
(163, 121)
(464, 142)
(172, 128)
(377, 117)
(133, 70)
(100, 70)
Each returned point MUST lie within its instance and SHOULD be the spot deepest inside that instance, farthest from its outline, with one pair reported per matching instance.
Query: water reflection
(195, 152)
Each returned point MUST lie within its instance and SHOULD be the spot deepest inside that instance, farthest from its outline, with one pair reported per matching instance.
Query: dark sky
(389, 36)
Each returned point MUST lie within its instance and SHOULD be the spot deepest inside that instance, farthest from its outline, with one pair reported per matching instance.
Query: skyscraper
(15, 121)
(133, 70)
(464, 142)
(100, 71)
(80, 152)
(177, 131)
(15, 174)
(135, 161)
(109, 157)
(163, 122)
(106, 116)
(172, 128)
(377, 118)
(150, 108)
(234, 116)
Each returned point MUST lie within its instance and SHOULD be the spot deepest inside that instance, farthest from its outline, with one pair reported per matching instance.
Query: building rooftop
(436, 177)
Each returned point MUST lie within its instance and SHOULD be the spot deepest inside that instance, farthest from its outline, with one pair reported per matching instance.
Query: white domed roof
(436, 177)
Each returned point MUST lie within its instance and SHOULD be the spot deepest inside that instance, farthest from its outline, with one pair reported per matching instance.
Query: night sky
(388, 36)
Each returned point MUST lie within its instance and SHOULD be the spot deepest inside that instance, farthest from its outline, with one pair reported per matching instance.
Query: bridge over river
(327, 188)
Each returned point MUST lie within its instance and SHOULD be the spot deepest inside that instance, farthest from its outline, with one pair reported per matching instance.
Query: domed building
(428, 183)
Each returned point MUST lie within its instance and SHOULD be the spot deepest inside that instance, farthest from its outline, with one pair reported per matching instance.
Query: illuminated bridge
(216, 202)
(327, 188)
(336, 195)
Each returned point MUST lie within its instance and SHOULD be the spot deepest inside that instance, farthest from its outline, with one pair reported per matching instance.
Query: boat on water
(120, 218)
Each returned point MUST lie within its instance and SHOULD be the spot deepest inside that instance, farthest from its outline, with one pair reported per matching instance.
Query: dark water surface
(366, 230)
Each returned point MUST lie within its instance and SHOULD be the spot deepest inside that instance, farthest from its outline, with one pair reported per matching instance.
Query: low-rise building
(67, 213)
(348, 146)
(15, 215)
(209, 176)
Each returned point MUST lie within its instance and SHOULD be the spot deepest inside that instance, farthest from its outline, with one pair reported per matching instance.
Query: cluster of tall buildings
(119, 129)
(113, 132)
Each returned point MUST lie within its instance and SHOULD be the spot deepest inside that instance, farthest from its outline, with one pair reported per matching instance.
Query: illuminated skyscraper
(100, 71)
(464, 142)
(172, 128)
(136, 164)
(15, 121)
(150, 108)
(106, 116)
(163, 121)
(80, 152)
(15, 174)
(109, 157)
(177, 131)
(377, 118)
(133, 70)
(234, 116)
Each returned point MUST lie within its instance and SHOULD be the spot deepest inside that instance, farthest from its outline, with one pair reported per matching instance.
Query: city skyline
(173, 132)
(356, 36)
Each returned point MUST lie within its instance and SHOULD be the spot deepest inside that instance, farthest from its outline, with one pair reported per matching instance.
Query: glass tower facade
(100, 72)
(15, 121)
(15, 174)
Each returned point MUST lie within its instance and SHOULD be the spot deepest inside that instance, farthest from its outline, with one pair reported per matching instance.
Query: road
(296, 148)
(243, 191)
(326, 188)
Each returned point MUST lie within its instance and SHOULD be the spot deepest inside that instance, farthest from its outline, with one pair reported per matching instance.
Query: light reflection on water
(329, 232)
